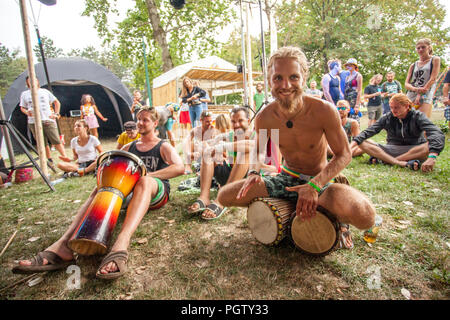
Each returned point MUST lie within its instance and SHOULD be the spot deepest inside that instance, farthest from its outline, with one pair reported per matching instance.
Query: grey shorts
(396, 150)
(428, 95)
(50, 132)
(375, 112)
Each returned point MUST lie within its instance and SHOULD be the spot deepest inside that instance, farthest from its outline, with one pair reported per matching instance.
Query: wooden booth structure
(216, 76)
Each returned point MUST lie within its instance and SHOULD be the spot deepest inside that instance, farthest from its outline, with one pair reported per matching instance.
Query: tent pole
(34, 90)
(263, 54)
(244, 71)
(9, 146)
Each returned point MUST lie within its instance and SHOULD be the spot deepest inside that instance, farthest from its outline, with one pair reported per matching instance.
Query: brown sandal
(54, 263)
(120, 258)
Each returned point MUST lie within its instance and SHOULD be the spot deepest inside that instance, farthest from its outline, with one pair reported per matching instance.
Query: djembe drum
(117, 173)
(269, 219)
(318, 235)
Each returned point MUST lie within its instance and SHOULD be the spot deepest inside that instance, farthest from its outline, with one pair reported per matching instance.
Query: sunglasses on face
(341, 108)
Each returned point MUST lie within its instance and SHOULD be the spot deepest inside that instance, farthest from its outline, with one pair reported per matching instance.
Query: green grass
(189, 258)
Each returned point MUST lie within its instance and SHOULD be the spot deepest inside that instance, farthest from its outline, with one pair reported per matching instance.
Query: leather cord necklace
(289, 123)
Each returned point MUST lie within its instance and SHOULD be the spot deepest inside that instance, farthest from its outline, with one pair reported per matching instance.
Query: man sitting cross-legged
(151, 191)
(406, 145)
(237, 145)
(304, 124)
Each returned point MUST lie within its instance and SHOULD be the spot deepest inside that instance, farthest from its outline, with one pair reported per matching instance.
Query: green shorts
(276, 185)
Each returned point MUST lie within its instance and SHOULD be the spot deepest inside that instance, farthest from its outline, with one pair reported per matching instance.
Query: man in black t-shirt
(373, 93)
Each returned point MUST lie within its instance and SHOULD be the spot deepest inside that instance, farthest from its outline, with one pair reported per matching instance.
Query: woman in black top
(191, 95)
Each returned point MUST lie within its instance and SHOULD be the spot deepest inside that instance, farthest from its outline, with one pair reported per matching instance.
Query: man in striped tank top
(150, 192)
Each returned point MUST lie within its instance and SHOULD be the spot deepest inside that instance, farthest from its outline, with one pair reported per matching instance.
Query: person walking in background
(331, 82)
(89, 111)
(388, 89)
(85, 148)
(48, 117)
(138, 103)
(373, 93)
(421, 79)
(313, 91)
(191, 95)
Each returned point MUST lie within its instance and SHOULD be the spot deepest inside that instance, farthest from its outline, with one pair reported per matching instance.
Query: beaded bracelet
(314, 186)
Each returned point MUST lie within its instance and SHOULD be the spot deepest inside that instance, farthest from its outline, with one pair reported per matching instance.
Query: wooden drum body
(269, 219)
(117, 173)
(316, 236)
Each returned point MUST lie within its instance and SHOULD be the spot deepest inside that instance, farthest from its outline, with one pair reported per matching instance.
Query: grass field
(176, 256)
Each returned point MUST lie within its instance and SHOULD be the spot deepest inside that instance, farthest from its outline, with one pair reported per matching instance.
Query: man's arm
(434, 136)
(326, 88)
(338, 143)
(370, 131)
(171, 157)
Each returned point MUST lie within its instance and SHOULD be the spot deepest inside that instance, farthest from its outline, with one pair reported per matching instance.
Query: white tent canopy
(212, 72)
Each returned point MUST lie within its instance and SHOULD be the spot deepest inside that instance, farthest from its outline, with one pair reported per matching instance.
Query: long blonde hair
(223, 123)
(184, 89)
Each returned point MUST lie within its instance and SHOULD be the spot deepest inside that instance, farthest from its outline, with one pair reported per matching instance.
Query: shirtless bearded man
(305, 125)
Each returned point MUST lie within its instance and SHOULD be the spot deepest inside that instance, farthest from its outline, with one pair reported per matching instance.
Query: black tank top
(152, 158)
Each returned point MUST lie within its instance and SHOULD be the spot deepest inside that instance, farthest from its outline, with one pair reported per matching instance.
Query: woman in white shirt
(85, 148)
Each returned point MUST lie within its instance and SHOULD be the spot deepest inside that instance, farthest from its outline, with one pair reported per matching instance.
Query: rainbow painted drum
(117, 173)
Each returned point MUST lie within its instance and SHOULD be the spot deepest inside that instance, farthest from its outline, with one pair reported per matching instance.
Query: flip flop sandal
(201, 207)
(343, 236)
(120, 258)
(218, 211)
(410, 164)
(373, 160)
(54, 263)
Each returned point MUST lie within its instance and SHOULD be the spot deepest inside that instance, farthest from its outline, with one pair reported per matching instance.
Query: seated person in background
(223, 123)
(193, 147)
(406, 145)
(350, 126)
(129, 135)
(238, 144)
(4, 173)
(85, 148)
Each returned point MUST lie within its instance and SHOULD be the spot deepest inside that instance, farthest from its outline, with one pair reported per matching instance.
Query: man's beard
(290, 104)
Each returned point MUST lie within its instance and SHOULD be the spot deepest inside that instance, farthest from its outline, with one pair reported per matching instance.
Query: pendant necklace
(289, 123)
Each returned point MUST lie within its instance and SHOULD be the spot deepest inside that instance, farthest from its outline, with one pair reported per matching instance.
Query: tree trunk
(159, 34)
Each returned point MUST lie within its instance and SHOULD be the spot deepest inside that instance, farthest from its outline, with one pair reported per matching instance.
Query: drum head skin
(262, 222)
(316, 236)
(126, 154)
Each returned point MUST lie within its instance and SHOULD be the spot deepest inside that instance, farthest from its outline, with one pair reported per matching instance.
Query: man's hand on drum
(308, 199)
(251, 180)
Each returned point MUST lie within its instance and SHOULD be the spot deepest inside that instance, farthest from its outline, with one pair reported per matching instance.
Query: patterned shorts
(447, 113)
(276, 185)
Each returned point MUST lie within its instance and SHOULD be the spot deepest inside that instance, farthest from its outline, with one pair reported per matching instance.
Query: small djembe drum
(316, 236)
(117, 173)
(269, 219)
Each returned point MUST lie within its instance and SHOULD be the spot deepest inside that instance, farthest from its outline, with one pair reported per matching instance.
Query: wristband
(314, 186)
(252, 172)
(432, 156)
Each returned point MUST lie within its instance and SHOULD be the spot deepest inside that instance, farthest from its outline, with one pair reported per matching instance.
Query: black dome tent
(71, 78)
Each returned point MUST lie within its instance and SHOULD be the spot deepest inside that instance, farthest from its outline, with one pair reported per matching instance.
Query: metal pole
(44, 62)
(149, 92)
(34, 90)
(249, 58)
(263, 53)
(244, 67)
